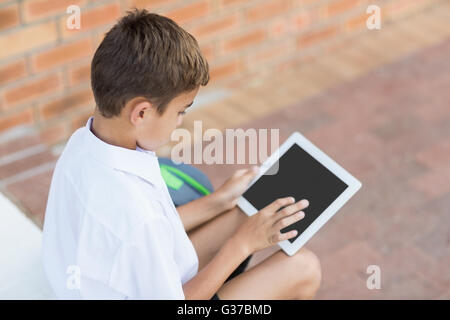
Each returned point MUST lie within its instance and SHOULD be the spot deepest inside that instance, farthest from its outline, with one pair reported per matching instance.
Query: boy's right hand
(262, 229)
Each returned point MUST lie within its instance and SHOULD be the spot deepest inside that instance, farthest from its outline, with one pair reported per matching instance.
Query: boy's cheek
(179, 121)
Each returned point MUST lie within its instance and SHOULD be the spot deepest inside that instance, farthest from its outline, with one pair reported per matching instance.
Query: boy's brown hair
(145, 55)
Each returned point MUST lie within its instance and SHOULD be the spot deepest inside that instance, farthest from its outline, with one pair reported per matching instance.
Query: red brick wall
(44, 68)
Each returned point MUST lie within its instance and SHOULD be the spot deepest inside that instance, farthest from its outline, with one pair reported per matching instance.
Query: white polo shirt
(111, 230)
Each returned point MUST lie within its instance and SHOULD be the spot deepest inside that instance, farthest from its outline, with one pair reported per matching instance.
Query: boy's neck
(113, 131)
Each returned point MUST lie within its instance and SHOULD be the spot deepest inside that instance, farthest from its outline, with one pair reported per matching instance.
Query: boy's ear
(140, 108)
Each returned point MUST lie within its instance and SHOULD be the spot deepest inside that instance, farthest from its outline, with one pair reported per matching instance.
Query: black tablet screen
(301, 176)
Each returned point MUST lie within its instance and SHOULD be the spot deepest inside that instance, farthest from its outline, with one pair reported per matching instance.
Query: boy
(111, 230)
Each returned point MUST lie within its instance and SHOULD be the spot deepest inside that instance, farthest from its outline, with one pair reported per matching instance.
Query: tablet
(301, 170)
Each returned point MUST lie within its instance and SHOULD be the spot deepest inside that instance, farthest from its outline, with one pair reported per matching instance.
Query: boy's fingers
(285, 236)
(279, 203)
(239, 172)
(287, 221)
(290, 209)
(246, 175)
(251, 173)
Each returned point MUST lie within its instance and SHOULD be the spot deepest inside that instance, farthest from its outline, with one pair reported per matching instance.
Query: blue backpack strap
(185, 182)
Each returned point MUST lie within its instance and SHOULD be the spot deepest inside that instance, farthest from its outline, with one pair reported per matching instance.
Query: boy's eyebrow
(190, 104)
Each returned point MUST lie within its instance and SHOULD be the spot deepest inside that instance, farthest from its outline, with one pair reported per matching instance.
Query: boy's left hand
(235, 186)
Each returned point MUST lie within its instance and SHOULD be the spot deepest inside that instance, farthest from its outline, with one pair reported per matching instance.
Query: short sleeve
(145, 267)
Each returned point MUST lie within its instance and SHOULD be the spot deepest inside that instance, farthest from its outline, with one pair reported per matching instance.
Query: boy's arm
(224, 198)
(259, 231)
(203, 209)
(209, 279)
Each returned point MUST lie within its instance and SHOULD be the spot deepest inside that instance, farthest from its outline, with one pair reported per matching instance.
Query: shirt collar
(140, 162)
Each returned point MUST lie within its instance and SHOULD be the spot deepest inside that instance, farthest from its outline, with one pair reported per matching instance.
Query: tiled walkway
(391, 129)
(379, 104)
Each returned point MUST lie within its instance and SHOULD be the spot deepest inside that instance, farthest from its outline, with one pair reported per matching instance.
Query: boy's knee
(307, 267)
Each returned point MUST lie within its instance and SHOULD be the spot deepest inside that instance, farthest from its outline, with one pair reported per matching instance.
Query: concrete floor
(21, 273)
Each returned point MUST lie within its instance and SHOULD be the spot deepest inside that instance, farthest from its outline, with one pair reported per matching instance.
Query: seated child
(111, 230)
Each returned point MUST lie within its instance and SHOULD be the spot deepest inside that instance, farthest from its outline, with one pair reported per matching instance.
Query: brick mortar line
(399, 23)
(28, 173)
(30, 78)
(60, 40)
(22, 154)
(46, 98)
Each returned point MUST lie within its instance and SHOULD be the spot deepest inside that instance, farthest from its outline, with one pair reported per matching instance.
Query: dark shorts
(235, 273)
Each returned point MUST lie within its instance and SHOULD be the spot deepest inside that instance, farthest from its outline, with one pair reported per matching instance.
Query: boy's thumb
(253, 171)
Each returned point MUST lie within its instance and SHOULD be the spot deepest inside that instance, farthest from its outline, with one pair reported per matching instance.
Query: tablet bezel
(353, 186)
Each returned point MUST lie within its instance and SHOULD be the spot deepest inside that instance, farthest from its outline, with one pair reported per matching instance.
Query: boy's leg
(278, 277)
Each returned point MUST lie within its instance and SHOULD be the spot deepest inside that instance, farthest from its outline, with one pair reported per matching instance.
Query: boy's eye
(182, 113)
